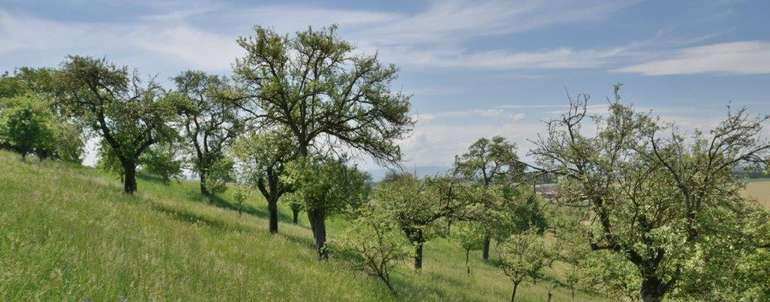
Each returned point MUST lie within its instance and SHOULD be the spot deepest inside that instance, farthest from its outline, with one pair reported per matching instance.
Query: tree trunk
(653, 289)
(386, 280)
(272, 207)
(318, 225)
(295, 216)
(572, 293)
(467, 255)
(418, 256)
(129, 179)
(485, 248)
(513, 295)
(549, 295)
(204, 189)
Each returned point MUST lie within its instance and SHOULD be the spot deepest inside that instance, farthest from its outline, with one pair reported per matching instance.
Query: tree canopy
(128, 115)
(661, 200)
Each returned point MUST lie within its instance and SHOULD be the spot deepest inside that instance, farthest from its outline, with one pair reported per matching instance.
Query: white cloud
(433, 37)
(455, 21)
(206, 50)
(745, 57)
(23, 32)
(563, 58)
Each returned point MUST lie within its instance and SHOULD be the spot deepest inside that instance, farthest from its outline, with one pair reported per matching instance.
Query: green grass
(68, 234)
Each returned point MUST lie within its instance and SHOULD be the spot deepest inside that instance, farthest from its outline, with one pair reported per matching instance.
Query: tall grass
(68, 234)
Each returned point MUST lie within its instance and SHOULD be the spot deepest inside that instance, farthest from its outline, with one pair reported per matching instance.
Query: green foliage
(416, 207)
(314, 85)
(328, 186)
(470, 236)
(161, 160)
(26, 126)
(209, 124)
(414, 204)
(375, 238)
(664, 202)
(263, 159)
(240, 197)
(128, 115)
(490, 161)
(523, 256)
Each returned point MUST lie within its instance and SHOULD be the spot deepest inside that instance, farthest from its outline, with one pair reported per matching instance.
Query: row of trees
(285, 122)
(643, 210)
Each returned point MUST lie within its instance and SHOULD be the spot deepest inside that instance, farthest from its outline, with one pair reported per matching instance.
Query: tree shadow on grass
(190, 217)
(220, 202)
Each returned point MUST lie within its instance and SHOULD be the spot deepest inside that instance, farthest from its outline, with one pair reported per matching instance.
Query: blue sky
(475, 68)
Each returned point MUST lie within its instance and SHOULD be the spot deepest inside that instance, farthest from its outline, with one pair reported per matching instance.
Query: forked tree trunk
(318, 225)
(513, 295)
(272, 207)
(129, 178)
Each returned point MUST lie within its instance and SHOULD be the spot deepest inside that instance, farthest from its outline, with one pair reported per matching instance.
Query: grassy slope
(67, 233)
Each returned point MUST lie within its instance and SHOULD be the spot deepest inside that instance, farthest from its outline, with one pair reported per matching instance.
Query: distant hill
(379, 173)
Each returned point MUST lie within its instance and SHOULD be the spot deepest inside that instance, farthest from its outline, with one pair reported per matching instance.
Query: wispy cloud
(436, 36)
(744, 57)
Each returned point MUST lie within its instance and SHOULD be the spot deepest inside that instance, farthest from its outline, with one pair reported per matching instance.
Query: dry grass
(759, 190)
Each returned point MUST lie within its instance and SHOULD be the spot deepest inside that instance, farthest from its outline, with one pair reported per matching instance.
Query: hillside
(759, 190)
(68, 233)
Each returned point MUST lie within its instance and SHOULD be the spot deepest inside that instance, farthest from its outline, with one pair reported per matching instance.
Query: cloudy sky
(474, 68)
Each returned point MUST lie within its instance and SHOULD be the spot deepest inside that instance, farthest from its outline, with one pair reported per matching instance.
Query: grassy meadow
(759, 190)
(67, 233)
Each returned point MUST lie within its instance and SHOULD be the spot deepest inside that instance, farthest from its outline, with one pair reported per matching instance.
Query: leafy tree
(109, 162)
(656, 198)
(327, 186)
(313, 85)
(470, 235)
(523, 256)
(264, 159)
(25, 126)
(68, 141)
(375, 238)
(240, 196)
(209, 122)
(161, 160)
(296, 204)
(416, 207)
(128, 115)
(36, 89)
(489, 162)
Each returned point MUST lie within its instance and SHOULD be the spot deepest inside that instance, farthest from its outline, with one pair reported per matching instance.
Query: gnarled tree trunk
(653, 289)
(129, 178)
(318, 225)
(272, 206)
(485, 247)
(204, 188)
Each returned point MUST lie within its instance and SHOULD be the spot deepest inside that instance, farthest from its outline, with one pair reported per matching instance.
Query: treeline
(643, 210)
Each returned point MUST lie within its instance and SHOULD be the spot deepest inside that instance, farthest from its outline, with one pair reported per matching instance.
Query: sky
(473, 68)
